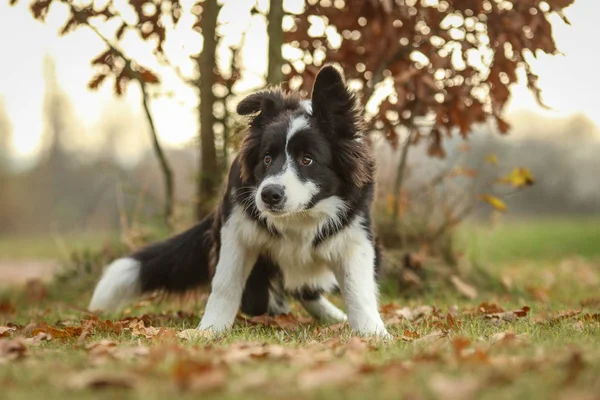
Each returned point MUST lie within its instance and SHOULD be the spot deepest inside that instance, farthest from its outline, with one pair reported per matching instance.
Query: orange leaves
(196, 376)
(519, 177)
(413, 52)
(283, 321)
(5, 331)
(494, 202)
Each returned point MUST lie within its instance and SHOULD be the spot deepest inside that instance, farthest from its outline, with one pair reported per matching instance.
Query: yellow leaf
(494, 202)
(519, 177)
(492, 159)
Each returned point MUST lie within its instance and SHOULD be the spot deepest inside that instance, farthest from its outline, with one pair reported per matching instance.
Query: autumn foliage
(450, 61)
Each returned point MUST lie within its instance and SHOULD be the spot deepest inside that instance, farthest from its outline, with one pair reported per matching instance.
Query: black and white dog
(295, 220)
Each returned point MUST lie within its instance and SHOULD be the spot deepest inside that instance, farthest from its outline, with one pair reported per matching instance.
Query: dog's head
(300, 152)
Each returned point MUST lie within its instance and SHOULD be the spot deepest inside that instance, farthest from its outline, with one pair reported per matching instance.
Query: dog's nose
(272, 195)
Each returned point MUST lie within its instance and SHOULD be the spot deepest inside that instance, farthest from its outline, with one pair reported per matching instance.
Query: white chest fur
(301, 262)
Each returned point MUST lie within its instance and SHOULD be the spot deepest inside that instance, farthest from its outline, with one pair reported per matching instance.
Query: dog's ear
(267, 102)
(334, 106)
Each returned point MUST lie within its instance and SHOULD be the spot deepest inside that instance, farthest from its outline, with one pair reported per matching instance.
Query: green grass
(52, 246)
(539, 239)
(558, 358)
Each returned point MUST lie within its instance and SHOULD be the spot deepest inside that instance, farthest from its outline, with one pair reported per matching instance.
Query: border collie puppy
(294, 220)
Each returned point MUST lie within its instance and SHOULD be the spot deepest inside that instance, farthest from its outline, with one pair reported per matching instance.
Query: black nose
(272, 195)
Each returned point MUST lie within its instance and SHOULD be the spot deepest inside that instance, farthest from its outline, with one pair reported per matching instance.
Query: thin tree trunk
(400, 176)
(275, 33)
(208, 176)
(164, 164)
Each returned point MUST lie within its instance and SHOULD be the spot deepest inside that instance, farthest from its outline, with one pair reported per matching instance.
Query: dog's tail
(175, 265)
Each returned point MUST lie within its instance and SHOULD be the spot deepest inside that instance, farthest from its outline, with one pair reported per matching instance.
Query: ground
(536, 334)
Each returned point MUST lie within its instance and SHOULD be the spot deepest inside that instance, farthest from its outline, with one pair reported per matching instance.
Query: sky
(569, 82)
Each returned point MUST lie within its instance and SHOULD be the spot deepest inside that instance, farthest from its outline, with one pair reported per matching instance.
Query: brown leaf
(450, 388)
(198, 376)
(283, 321)
(138, 328)
(509, 338)
(432, 337)
(508, 315)
(327, 375)
(5, 331)
(56, 333)
(93, 379)
(465, 289)
(11, 350)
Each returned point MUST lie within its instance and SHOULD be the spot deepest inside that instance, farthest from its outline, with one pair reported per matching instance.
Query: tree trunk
(400, 177)
(165, 167)
(275, 33)
(208, 176)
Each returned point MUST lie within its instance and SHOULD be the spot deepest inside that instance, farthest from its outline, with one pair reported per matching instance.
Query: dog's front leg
(231, 273)
(355, 273)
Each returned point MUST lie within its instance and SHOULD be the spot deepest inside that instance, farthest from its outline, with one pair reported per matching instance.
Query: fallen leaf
(327, 375)
(432, 337)
(508, 315)
(56, 333)
(5, 331)
(11, 350)
(508, 337)
(451, 388)
(94, 379)
(195, 334)
(465, 289)
(138, 328)
(198, 376)
(283, 321)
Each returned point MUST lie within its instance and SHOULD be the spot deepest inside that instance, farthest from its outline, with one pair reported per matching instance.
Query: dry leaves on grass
(99, 379)
(504, 338)
(284, 321)
(138, 329)
(199, 376)
(327, 375)
(11, 350)
(453, 388)
(509, 316)
(105, 350)
(67, 332)
(6, 331)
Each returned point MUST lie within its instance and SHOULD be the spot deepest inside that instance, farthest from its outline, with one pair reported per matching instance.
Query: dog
(294, 220)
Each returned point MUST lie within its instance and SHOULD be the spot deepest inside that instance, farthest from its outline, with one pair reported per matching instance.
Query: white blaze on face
(297, 193)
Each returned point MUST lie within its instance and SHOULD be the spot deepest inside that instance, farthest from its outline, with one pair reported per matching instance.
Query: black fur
(345, 169)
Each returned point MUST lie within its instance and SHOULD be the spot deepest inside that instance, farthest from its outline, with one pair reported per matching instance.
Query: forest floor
(536, 336)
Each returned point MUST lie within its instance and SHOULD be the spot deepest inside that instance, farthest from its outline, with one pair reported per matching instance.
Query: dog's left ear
(335, 108)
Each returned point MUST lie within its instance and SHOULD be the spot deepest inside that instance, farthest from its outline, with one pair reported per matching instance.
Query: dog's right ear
(266, 102)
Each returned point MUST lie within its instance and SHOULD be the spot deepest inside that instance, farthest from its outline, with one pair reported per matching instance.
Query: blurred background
(117, 117)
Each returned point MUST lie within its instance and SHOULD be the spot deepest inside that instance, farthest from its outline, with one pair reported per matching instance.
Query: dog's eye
(306, 160)
(267, 160)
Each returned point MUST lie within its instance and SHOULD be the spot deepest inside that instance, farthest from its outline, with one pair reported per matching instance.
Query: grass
(550, 267)
(59, 247)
